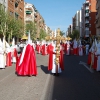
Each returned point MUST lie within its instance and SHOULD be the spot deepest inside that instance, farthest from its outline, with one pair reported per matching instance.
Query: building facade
(16, 9)
(77, 22)
(97, 22)
(90, 15)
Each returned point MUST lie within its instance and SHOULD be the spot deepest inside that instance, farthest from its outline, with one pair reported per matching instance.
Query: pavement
(13, 87)
(77, 82)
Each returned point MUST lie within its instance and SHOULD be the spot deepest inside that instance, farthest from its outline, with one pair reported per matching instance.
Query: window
(20, 9)
(11, 13)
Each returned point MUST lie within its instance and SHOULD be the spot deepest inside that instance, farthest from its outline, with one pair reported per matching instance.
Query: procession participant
(39, 48)
(27, 61)
(75, 47)
(61, 56)
(68, 47)
(80, 49)
(49, 47)
(2, 58)
(87, 48)
(91, 54)
(8, 55)
(14, 51)
(52, 64)
(95, 55)
(44, 49)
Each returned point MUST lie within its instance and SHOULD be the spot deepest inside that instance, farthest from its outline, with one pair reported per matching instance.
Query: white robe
(2, 58)
(54, 63)
(98, 55)
(80, 50)
(87, 49)
(68, 48)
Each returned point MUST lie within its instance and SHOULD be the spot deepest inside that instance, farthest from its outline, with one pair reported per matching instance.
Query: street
(76, 82)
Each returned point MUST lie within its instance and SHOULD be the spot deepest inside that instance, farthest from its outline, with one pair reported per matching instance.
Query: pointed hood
(13, 42)
(29, 39)
(1, 43)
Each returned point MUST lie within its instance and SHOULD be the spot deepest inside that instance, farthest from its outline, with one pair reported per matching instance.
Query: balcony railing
(29, 19)
(87, 7)
(87, 21)
(87, 29)
(87, 15)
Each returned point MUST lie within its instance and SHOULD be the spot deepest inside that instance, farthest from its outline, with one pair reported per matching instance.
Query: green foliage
(62, 33)
(32, 28)
(75, 34)
(10, 27)
(3, 20)
(42, 34)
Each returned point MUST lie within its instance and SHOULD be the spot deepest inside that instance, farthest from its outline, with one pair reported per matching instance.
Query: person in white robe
(75, 47)
(68, 47)
(97, 53)
(80, 49)
(54, 63)
(87, 48)
(2, 58)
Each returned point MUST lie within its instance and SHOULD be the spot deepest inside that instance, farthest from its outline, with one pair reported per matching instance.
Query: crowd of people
(24, 55)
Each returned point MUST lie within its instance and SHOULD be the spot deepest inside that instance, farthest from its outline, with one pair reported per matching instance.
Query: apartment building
(70, 29)
(16, 9)
(98, 18)
(29, 13)
(77, 22)
(40, 23)
(90, 14)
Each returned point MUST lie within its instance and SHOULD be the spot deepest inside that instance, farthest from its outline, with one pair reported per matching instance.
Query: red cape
(50, 63)
(28, 65)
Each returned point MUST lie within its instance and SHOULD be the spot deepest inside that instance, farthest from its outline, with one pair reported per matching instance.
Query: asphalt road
(76, 82)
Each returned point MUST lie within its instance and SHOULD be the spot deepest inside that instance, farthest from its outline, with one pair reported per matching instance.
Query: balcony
(87, 32)
(87, 21)
(87, 11)
(87, 15)
(87, 2)
(86, 29)
(28, 12)
(29, 18)
(87, 7)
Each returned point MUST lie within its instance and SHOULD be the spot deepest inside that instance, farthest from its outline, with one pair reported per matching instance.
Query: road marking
(85, 65)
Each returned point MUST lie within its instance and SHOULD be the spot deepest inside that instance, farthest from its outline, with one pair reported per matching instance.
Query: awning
(28, 12)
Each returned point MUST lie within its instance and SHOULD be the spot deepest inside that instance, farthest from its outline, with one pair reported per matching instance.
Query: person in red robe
(61, 57)
(52, 66)
(44, 49)
(26, 64)
(8, 57)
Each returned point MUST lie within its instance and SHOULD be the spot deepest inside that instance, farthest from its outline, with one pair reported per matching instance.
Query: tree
(31, 26)
(62, 33)
(3, 21)
(75, 34)
(15, 28)
(42, 34)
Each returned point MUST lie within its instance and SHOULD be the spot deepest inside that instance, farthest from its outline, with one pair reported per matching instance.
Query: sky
(57, 13)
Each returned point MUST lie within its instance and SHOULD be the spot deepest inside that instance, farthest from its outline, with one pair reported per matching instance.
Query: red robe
(61, 60)
(28, 65)
(44, 49)
(89, 59)
(50, 63)
(8, 59)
